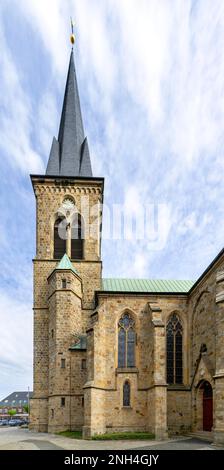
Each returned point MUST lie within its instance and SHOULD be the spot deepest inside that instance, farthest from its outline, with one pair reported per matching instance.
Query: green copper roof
(146, 285)
(80, 344)
(65, 263)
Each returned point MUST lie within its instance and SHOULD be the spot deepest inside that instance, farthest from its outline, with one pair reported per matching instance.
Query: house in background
(15, 401)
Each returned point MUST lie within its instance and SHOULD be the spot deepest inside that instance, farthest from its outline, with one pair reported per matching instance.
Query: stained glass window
(126, 341)
(126, 393)
(174, 350)
(121, 347)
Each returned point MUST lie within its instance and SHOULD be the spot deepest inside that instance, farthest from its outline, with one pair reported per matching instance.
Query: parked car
(4, 422)
(14, 422)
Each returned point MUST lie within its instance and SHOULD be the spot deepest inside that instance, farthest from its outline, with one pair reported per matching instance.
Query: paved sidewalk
(23, 439)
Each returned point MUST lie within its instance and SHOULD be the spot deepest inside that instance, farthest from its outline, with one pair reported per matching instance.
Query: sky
(151, 84)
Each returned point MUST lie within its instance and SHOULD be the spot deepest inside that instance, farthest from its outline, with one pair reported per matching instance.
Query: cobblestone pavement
(23, 439)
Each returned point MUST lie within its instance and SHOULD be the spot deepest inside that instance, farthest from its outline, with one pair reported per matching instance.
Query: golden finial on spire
(72, 37)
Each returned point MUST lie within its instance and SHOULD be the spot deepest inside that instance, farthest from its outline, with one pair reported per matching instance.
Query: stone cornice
(66, 185)
(126, 370)
(65, 292)
(219, 375)
(55, 261)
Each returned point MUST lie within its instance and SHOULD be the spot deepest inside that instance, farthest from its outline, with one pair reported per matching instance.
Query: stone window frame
(126, 398)
(62, 215)
(80, 217)
(126, 329)
(58, 219)
(181, 321)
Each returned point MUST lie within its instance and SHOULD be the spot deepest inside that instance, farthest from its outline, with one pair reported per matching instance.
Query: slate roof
(69, 155)
(146, 285)
(16, 399)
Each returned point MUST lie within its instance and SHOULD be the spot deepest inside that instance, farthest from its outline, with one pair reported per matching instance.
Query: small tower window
(126, 393)
(77, 237)
(59, 238)
(63, 363)
(62, 401)
(52, 333)
(64, 283)
(83, 364)
(52, 413)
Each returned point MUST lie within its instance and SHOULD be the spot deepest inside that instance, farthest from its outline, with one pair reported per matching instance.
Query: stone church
(115, 354)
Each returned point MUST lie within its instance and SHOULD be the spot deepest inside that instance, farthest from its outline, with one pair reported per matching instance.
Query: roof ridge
(147, 279)
(146, 285)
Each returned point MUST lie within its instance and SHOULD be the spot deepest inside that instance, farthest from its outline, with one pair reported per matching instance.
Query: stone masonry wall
(50, 195)
(179, 411)
(109, 379)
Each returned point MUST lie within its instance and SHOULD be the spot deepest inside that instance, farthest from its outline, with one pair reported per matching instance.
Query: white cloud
(15, 122)
(51, 21)
(47, 122)
(16, 344)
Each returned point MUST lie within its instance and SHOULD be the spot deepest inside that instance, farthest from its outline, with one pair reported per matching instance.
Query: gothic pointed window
(126, 394)
(77, 236)
(174, 354)
(126, 341)
(59, 238)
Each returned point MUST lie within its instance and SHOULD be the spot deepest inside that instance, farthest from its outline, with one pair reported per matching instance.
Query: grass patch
(124, 435)
(71, 434)
(110, 436)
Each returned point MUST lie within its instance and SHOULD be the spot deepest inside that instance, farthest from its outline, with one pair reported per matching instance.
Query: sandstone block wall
(179, 411)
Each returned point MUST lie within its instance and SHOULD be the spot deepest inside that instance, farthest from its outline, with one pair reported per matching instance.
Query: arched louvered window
(174, 350)
(126, 394)
(77, 236)
(126, 341)
(59, 238)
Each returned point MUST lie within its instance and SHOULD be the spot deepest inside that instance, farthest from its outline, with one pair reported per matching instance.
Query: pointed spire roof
(65, 263)
(69, 155)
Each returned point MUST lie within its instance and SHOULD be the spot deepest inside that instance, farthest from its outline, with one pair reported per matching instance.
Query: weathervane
(72, 37)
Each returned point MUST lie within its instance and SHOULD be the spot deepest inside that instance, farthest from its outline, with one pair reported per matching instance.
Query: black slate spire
(69, 155)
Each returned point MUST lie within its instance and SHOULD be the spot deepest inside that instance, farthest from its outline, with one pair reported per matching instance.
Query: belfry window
(126, 341)
(59, 238)
(77, 236)
(126, 394)
(174, 354)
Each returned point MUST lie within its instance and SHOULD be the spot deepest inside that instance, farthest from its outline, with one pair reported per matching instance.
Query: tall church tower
(67, 270)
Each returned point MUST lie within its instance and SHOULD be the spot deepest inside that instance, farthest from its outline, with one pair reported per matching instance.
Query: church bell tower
(67, 270)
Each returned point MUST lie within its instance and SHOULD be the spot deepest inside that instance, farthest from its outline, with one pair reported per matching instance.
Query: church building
(113, 355)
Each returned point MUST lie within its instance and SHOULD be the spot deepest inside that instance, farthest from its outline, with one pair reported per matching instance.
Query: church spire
(69, 155)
